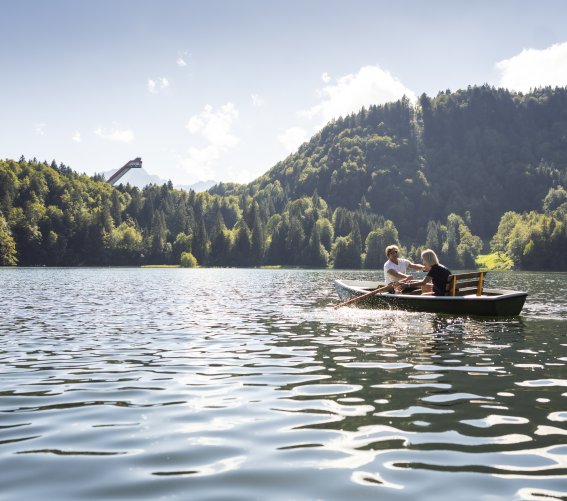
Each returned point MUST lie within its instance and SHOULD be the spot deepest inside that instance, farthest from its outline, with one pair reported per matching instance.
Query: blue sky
(224, 89)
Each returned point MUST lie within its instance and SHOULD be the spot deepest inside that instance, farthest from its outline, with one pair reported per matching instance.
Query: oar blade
(368, 294)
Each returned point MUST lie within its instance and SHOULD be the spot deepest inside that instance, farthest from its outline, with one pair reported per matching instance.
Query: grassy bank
(161, 266)
(495, 261)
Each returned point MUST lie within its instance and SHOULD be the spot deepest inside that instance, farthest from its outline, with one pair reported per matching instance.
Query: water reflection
(234, 385)
(436, 359)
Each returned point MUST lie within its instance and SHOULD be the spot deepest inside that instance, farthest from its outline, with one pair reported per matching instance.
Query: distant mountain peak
(142, 178)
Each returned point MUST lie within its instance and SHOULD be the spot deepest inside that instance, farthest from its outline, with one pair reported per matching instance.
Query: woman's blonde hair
(429, 257)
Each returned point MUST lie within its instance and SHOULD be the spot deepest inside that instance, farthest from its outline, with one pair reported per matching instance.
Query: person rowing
(395, 269)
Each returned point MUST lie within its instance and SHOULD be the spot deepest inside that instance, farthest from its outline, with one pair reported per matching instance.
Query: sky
(222, 90)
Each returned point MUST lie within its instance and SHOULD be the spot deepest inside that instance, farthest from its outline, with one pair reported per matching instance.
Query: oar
(368, 294)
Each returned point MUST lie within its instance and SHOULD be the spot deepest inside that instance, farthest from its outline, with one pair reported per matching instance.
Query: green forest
(470, 172)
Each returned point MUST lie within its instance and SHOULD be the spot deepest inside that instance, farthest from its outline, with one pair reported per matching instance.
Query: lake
(230, 384)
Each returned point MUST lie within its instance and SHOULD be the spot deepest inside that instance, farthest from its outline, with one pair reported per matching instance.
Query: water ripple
(245, 384)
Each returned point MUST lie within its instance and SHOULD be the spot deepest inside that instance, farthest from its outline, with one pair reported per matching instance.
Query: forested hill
(478, 152)
(475, 171)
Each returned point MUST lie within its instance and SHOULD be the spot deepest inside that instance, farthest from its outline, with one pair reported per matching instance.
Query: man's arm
(413, 266)
(396, 276)
(417, 283)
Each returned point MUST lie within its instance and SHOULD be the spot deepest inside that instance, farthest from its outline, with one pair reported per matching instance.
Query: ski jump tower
(132, 164)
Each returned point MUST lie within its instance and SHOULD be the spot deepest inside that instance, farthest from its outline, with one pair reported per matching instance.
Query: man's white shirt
(401, 267)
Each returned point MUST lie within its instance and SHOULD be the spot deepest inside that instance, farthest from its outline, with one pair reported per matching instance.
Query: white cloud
(292, 138)
(77, 137)
(215, 127)
(155, 86)
(258, 100)
(122, 136)
(40, 129)
(370, 86)
(200, 162)
(182, 59)
(534, 68)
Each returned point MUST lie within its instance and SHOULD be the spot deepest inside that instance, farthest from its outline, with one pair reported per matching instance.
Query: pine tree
(242, 249)
(8, 255)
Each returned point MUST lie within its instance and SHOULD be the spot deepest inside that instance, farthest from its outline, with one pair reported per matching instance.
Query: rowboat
(485, 302)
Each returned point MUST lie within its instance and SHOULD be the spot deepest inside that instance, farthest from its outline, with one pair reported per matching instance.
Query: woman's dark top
(439, 275)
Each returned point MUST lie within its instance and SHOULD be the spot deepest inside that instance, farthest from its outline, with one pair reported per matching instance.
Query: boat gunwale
(502, 302)
(491, 294)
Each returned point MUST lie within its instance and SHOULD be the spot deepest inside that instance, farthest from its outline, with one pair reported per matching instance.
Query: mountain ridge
(465, 172)
(467, 151)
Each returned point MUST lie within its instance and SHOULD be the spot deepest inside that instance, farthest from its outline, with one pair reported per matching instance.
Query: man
(396, 267)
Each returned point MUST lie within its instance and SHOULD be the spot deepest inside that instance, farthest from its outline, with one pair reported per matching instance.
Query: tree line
(52, 216)
(463, 173)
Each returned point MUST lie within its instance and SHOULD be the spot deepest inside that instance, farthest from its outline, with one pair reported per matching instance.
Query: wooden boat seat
(464, 284)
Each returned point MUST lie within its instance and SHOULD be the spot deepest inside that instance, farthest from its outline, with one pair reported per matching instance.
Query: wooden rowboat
(485, 302)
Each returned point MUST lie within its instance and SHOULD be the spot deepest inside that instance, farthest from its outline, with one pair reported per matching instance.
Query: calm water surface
(247, 384)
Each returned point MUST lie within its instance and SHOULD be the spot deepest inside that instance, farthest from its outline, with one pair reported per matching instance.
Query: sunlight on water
(244, 384)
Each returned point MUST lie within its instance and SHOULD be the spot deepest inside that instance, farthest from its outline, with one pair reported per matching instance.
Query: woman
(435, 282)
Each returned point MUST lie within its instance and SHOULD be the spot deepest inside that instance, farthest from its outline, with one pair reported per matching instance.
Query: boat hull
(493, 302)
